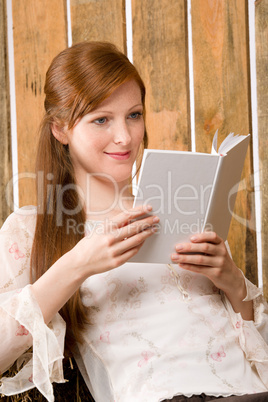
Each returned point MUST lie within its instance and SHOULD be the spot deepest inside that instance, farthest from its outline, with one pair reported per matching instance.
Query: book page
(226, 188)
(228, 143)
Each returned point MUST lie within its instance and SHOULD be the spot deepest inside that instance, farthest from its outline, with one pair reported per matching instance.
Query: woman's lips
(119, 155)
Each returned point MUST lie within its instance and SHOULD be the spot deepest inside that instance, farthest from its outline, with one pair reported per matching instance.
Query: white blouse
(154, 334)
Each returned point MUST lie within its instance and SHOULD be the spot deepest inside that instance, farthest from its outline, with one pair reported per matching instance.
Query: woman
(132, 333)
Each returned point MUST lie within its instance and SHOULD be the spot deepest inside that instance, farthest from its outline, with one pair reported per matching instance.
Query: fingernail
(148, 207)
(179, 247)
(194, 238)
(156, 219)
(175, 257)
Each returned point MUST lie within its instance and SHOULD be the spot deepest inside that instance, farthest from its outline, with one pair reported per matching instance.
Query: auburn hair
(77, 81)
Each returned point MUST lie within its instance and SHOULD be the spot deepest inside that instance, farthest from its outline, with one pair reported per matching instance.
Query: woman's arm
(94, 254)
(103, 250)
(15, 243)
(26, 309)
(211, 258)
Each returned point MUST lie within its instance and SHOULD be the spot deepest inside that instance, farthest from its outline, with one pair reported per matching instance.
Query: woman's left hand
(206, 254)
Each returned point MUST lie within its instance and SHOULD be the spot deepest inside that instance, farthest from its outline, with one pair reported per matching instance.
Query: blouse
(156, 331)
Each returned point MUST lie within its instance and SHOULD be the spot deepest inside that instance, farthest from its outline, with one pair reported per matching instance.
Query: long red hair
(77, 81)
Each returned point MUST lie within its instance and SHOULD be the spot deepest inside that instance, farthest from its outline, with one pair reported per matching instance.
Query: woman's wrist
(75, 268)
(55, 287)
(236, 295)
(237, 289)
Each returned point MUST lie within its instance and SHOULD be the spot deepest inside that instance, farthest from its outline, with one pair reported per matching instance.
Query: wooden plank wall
(160, 53)
(160, 50)
(221, 76)
(36, 24)
(262, 98)
(5, 137)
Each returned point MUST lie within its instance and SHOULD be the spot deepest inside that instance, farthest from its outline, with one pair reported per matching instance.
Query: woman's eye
(135, 115)
(101, 120)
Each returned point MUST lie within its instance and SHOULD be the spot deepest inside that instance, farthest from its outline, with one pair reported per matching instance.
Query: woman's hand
(113, 242)
(207, 254)
(106, 248)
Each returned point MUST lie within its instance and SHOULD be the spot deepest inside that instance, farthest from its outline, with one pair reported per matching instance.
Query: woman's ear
(59, 133)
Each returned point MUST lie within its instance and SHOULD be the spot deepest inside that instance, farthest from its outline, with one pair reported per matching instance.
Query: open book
(190, 192)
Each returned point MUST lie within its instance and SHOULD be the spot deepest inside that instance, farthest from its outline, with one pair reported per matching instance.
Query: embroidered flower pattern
(218, 355)
(105, 337)
(22, 331)
(146, 355)
(238, 324)
(14, 249)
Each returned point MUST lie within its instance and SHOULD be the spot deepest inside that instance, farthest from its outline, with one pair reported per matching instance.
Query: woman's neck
(104, 199)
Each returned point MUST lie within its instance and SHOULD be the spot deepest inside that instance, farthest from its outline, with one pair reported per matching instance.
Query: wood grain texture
(222, 101)
(5, 135)
(160, 54)
(261, 23)
(99, 20)
(39, 34)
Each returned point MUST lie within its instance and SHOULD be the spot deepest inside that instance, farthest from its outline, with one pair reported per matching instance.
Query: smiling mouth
(118, 155)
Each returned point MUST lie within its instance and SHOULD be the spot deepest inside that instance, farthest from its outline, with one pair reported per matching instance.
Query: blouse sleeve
(21, 320)
(253, 335)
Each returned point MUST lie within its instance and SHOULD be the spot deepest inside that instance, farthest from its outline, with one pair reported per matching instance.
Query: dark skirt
(73, 390)
(260, 397)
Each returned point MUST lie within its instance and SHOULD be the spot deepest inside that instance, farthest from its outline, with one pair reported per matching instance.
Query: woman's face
(106, 140)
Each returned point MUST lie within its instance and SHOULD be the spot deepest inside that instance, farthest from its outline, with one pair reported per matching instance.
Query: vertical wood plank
(5, 135)
(99, 20)
(39, 34)
(261, 18)
(222, 101)
(160, 54)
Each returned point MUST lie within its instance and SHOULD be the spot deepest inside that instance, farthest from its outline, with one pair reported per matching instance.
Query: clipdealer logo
(164, 202)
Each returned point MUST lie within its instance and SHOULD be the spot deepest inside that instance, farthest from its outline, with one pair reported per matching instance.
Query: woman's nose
(122, 134)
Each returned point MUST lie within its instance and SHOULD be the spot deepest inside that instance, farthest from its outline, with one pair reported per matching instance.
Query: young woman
(67, 288)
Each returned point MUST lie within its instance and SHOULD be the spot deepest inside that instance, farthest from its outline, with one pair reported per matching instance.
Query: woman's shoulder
(23, 218)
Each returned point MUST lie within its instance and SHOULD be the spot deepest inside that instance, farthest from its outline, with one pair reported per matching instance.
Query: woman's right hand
(114, 242)
(100, 251)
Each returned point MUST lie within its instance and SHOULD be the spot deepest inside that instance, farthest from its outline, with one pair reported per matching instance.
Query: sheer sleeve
(260, 306)
(253, 335)
(21, 320)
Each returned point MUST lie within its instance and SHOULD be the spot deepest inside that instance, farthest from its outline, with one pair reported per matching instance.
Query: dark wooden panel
(222, 101)
(5, 138)
(160, 53)
(261, 22)
(98, 20)
(39, 29)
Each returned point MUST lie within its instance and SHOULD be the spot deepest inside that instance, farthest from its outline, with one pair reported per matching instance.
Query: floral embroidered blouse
(148, 340)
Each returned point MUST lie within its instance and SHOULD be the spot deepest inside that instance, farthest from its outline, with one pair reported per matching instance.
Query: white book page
(228, 143)
(227, 187)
